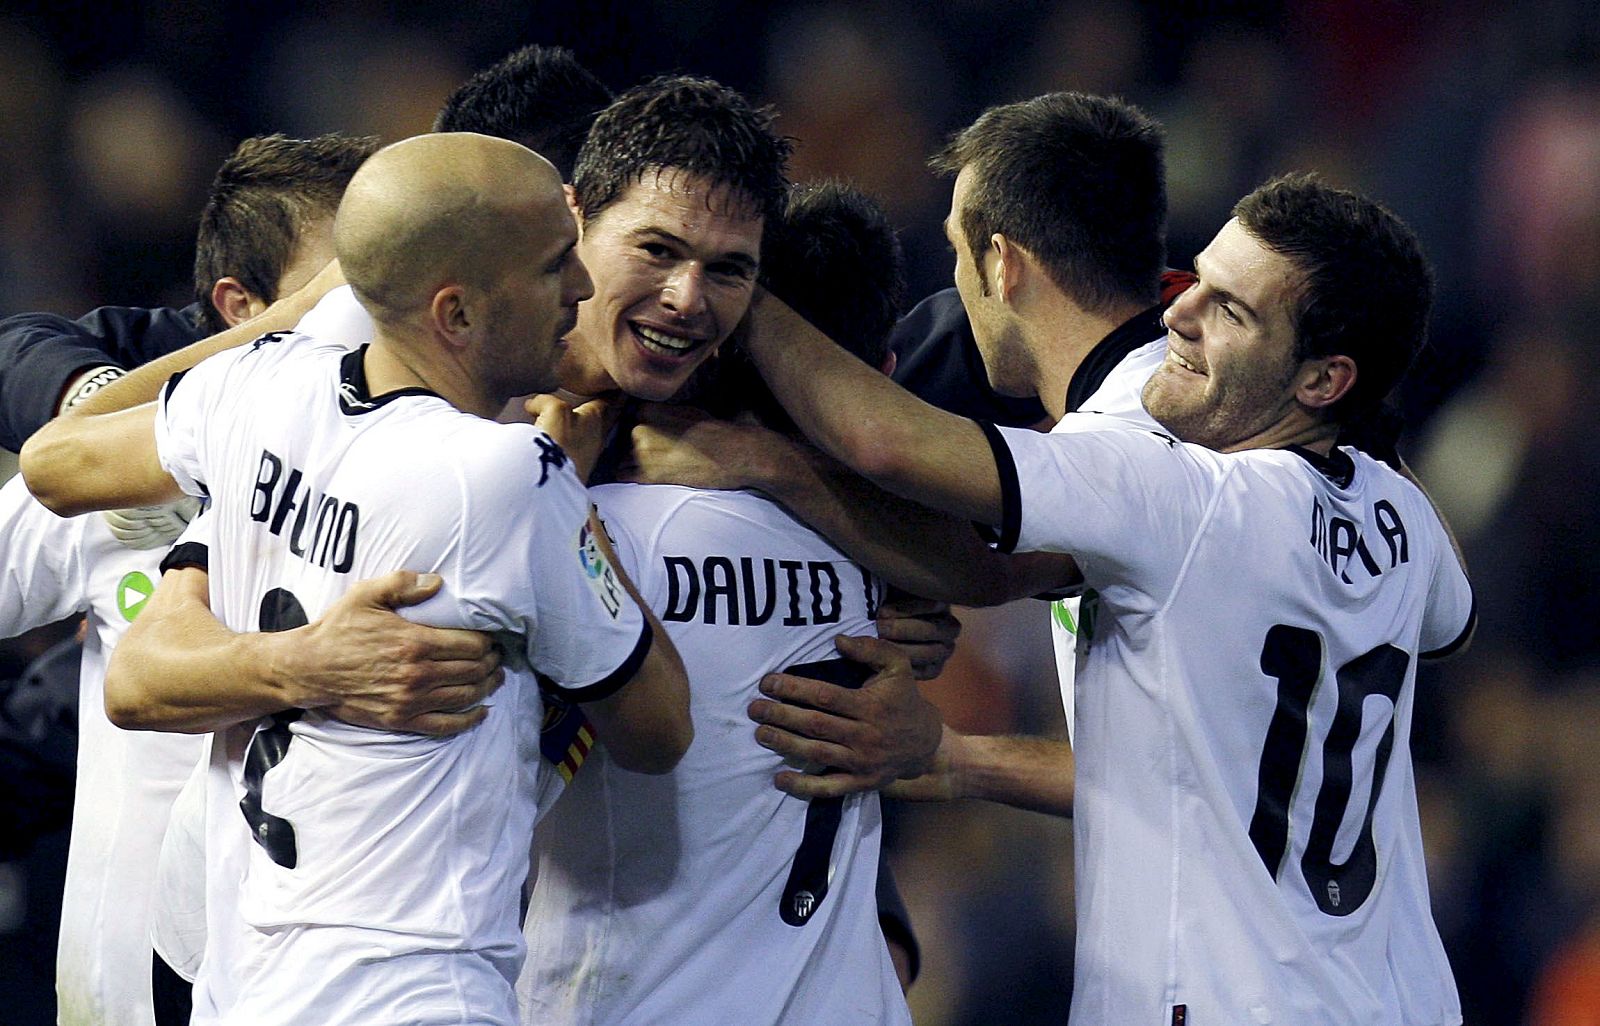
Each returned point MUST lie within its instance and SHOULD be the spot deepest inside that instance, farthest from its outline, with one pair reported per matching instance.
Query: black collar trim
(1337, 466)
(1138, 330)
(355, 398)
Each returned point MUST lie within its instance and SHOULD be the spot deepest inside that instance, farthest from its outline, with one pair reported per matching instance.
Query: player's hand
(924, 629)
(365, 664)
(580, 431)
(684, 446)
(872, 735)
(940, 783)
(151, 527)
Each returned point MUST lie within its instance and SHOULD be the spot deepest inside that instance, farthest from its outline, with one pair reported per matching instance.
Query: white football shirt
(126, 780)
(676, 898)
(1248, 847)
(358, 875)
(1071, 625)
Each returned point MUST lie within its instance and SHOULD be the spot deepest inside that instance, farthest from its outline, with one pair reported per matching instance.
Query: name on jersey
(324, 529)
(746, 592)
(1341, 542)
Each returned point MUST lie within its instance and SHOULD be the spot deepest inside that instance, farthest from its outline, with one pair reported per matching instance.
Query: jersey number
(812, 870)
(280, 611)
(1293, 656)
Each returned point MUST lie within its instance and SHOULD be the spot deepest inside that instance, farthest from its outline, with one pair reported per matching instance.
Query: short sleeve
(1101, 490)
(338, 318)
(535, 566)
(1452, 612)
(181, 413)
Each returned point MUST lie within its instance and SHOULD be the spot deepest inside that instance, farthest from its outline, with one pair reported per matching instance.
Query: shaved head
(435, 210)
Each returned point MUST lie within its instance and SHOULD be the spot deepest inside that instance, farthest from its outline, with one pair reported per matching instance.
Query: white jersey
(707, 895)
(126, 780)
(1248, 847)
(357, 875)
(1119, 395)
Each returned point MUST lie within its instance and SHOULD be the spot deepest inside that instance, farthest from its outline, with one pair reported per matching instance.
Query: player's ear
(234, 302)
(1325, 380)
(572, 203)
(1005, 265)
(450, 317)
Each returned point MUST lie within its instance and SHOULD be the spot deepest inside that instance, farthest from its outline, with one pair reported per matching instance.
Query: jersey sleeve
(1102, 491)
(42, 573)
(1452, 612)
(537, 568)
(339, 318)
(190, 398)
(41, 353)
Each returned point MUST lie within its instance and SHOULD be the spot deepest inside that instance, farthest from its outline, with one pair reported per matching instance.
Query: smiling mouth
(661, 343)
(1177, 358)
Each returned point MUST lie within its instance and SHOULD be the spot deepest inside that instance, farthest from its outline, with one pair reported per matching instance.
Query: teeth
(1181, 362)
(659, 341)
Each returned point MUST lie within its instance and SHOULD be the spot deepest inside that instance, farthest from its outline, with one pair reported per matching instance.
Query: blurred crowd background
(1477, 121)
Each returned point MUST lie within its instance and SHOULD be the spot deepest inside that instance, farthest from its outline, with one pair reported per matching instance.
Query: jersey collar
(355, 398)
(1337, 466)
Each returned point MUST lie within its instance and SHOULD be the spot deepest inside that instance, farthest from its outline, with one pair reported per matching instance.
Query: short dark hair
(539, 96)
(262, 198)
(836, 260)
(681, 123)
(1366, 288)
(1077, 180)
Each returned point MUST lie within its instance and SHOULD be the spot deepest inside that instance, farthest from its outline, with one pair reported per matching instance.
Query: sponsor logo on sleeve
(597, 570)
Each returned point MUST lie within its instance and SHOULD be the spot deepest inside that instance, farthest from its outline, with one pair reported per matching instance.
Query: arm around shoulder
(75, 465)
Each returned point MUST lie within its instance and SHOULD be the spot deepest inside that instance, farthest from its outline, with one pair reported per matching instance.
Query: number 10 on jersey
(1293, 656)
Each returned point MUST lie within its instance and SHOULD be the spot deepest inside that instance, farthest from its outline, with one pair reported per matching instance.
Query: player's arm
(870, 423)
(917, 549)
(142, 384)
(47, 362)
(1033, 773)
(77, 464)
(178, 668)
(645, 724)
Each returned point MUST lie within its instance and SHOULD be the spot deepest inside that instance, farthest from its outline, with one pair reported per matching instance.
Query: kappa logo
(133, 591)
(597, 571)
(351, 396)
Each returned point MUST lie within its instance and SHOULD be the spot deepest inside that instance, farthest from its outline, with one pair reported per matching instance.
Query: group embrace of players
(617, 758)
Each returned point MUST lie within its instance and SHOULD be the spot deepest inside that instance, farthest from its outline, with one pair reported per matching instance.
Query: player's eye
(655, 250)
(1228, 313)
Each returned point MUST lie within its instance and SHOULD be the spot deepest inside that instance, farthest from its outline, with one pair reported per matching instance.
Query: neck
(1295, 429)
(393, 364)
(581, 373)
(1060, 340)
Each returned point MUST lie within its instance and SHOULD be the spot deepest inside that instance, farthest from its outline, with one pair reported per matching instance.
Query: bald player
(358, 875)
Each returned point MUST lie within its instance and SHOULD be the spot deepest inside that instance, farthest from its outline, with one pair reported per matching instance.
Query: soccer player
(539, 96)
(1080, 181)
(359, 875)
(706, 895)
(267, 227)
(1247, 839)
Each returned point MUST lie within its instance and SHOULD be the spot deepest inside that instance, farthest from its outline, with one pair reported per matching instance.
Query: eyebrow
(1224, 296)
(744, 260)
(562, 256)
